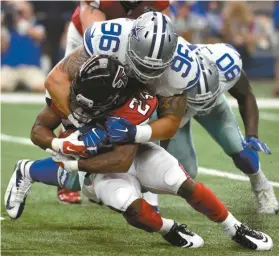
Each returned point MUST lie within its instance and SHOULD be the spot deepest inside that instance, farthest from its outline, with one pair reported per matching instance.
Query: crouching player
(120, 174)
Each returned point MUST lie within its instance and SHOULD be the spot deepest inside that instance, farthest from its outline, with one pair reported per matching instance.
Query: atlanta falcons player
(87, 13)
(120, 174)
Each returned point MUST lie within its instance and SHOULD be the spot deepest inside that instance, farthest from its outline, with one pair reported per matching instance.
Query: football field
(50, 228)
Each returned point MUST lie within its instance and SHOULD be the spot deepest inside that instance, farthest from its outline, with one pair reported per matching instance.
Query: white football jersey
(183, 73)
(228, 63)
(109, 38)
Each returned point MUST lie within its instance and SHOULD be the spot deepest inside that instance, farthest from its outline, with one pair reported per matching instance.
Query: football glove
(68, 163)
(256, 144)
(120, 130)
(94, 139)
(69, 146)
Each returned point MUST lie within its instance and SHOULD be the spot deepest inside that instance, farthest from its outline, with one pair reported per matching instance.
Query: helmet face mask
(203, 103)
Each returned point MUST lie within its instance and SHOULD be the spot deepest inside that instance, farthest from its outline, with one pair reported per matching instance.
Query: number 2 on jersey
(110, 38)
(142, 109)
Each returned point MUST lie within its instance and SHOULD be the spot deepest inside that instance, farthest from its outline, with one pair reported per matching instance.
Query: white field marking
(202, 170)
(228, 175)
(18, 140)
(262, 102)
(269, 116)
(2, 218)
(27, 98)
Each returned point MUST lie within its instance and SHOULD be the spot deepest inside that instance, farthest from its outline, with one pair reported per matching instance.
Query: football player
(114, 42)
(220, 70)
(87, 13)
(120, 174)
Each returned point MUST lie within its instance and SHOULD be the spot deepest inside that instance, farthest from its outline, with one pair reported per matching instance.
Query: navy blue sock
(44, 171)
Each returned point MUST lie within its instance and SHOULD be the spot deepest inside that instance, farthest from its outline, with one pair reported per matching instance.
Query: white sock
(258, 180)
(27, 169)
(166, 227)
(229, 225)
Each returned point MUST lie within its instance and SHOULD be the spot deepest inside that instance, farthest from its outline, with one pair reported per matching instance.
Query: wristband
(143, 134)
(71, 166)
(55, 144)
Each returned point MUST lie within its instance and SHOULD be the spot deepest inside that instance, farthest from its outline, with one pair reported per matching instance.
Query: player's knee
(117, 198)
(141, 215)
(247, 160)
(174, 177)
(68, 180)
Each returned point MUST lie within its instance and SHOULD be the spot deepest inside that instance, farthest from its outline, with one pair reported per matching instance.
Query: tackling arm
(89, 14)
(247, 104)
(58, 81)
(42, 131)
(170, 112)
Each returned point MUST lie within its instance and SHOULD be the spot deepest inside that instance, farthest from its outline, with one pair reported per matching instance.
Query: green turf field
(50, 228)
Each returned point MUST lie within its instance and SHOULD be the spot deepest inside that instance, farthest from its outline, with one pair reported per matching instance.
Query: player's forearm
(164, 128)
(117, 161)
(58, 86)
(42, 137)
(248, 109)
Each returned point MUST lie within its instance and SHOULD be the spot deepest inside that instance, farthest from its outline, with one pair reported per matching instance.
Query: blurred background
(33, 36)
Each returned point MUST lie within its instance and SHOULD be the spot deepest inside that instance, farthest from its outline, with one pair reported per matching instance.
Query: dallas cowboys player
(153, 37)
(219, 70)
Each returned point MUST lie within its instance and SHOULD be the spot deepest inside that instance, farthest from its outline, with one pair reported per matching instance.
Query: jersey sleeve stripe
(87, 41)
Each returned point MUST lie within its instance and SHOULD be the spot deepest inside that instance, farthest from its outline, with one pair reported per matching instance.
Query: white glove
(69, 146)
(67, 163)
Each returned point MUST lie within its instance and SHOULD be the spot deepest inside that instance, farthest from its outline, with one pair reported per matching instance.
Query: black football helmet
(98, 88)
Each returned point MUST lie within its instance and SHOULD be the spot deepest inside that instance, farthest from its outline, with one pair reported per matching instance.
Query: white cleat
(267, 202)
(17, 190)
(180, 236)
(251, 239)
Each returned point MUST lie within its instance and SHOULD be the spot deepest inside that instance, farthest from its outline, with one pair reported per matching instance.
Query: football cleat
(252, 239)
(267, 202)
(180, 236)
(17, 190)
(68, 197)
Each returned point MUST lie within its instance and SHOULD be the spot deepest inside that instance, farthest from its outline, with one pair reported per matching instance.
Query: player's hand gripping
(120, 130)
(70, 146)
(66, 162)
(94, 139)
(256, 144)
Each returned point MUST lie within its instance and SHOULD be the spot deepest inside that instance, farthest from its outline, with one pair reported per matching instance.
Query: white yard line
(269, 116)
(31, 98)
(2, 218)
(202, 170)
